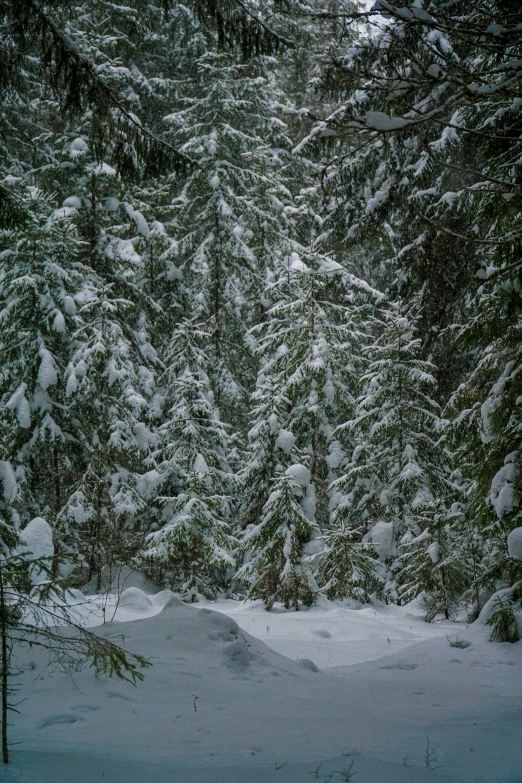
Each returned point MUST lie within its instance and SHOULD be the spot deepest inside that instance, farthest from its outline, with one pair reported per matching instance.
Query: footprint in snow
(324, 634)
(115, 695)
(405, 666)
(55, 720)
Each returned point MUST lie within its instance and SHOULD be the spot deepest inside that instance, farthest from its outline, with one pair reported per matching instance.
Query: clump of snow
(200, 464)
(380, 121)
(112, 204)
(381, 537)
(299, 473)
(502, 494)
(434, 551)
(239, 655)
(135, 600)
(18, 402)
(285, 441)
(8, 478)
(141, 223)
(514, 543)
(37, 538)
(78, 148)
(59, 323)
(47, 373)
(489, 607)
(72, 201)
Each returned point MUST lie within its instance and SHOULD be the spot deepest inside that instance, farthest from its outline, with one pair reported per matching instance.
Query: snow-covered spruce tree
(347, 566)
(193, 479)
(398, 468)
(38, 282)
(308, 350)
(486, 419)
(436, 563)
(423, 160)
(107, 389)
(275, 569)
(230, 223)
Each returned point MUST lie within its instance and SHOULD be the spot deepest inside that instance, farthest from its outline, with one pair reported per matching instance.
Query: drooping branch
(75, 82)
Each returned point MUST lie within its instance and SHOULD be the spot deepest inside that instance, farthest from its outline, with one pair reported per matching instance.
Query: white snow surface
(260, 717)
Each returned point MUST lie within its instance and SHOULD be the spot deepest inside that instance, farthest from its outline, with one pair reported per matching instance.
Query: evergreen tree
(308, 349)
(435, 563)
(231, 222)
(398, 468)
(347, 566)
(193, 474)
(108, 398)
(39, 281)
(275, 569)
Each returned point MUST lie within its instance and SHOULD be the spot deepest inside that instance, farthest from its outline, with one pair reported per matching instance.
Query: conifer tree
(308, 351)
(398, 468)
(108, 399)
(193, 476)
(275, 569)
(231, 223)
(37, 321)
(309, 365)
(435, 563)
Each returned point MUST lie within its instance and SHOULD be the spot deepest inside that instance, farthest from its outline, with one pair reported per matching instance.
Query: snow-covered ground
(333, 635)
(221, 706)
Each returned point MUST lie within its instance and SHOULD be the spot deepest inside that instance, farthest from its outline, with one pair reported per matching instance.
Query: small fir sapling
(275, 567)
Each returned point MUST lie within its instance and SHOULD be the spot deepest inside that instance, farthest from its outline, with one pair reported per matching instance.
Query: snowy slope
(256, 710)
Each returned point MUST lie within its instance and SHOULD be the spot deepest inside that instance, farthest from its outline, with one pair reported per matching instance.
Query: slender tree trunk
(94, 220)
(57, 490)
(193, 570)
(5, 668)
(98, 538)
(401, 445)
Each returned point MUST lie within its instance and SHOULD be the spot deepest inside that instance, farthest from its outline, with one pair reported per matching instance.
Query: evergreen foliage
(398, 468)
(260, 294)
(193, 475)
(275, 569)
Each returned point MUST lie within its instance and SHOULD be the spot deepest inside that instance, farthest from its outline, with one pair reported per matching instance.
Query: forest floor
(241, 695)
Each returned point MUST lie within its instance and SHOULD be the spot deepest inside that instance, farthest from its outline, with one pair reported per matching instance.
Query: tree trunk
(193, 570)
(5, 668)
(98, 539)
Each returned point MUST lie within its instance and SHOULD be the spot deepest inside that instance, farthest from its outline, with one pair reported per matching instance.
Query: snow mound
(231, 709)
(238, 654)
(135, 600)
(306, 663)
(222, 628)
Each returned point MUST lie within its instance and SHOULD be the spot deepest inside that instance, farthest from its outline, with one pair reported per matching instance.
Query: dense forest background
(260, 295)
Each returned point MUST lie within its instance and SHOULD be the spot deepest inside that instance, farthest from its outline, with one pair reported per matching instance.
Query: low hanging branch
(75, 82)
(39, 616)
